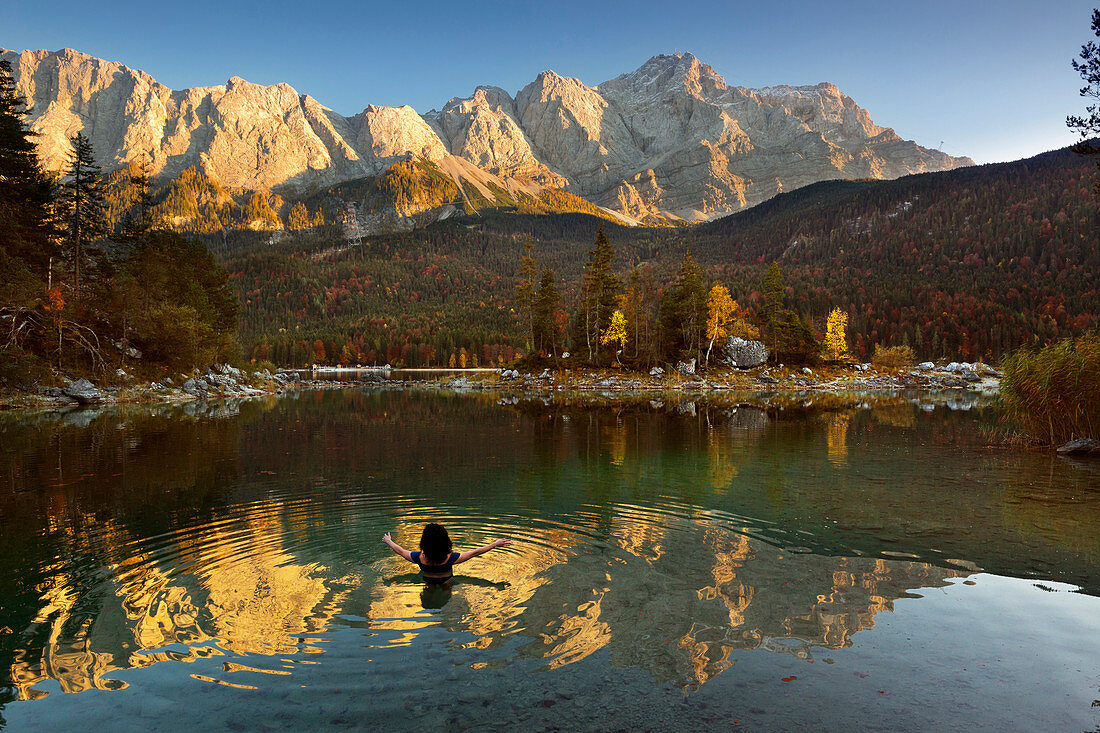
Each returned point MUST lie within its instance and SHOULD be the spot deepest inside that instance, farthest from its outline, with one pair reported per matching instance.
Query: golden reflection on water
(239, 592)
(836, 437)
(679, 620)
(678, 596)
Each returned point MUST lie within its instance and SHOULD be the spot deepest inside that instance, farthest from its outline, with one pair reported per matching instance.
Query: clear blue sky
(990, 78)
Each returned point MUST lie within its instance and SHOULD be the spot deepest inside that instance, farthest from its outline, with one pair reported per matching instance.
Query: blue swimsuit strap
(446, 565)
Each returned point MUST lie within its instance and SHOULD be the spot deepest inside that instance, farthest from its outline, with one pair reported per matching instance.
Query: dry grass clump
(893, 357)
(1053, 393)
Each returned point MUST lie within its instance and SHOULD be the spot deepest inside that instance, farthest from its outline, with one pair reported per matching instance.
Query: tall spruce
(634, 310)
(26, 194)
(545, 326)
(525, 293)
(600, 289)
(772, 314)
(137, 222)
(85, 211)
(790, 336)
(684, 311)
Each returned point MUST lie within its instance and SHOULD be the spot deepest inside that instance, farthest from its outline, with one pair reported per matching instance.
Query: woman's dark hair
(435, 542)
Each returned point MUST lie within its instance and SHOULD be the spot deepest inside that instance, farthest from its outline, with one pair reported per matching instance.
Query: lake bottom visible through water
(869, 566)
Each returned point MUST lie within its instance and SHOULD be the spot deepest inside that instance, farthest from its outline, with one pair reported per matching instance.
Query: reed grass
(1053, 393)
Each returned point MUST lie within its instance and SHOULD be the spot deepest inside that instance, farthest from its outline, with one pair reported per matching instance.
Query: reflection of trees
(75, 489)
(836, 436)
(898, 414)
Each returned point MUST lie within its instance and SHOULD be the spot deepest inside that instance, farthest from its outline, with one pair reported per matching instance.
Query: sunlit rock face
(714, 148)
(484, 129)
(670, 138)
(243, 135)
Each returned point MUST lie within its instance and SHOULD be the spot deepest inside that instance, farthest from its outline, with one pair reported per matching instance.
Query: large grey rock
(84, 392)
(742, 354)
(686, 368)
(221, 380)
(228, 371)
(1080, 447)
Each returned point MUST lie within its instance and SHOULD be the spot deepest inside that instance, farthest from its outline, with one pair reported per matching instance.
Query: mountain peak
(676, 71)
(669, 137)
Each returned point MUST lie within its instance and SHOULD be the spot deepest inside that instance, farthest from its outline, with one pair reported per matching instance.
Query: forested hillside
(968, 263)
(964, 264)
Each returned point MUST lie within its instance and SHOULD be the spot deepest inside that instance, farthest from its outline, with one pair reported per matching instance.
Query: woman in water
(435, 557)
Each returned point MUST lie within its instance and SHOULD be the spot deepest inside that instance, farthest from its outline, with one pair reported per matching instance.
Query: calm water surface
(676, 562)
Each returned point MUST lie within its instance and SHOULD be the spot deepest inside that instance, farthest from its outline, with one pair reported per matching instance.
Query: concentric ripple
(241, 554)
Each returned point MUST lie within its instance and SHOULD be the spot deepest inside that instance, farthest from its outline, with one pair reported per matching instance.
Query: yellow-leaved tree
(836, 336)
(616, 330)
(721, 309)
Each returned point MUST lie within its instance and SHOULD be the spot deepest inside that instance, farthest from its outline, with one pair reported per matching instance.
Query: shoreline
(224, 382)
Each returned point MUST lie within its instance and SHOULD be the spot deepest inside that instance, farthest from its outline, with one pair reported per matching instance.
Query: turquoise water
(675, 562)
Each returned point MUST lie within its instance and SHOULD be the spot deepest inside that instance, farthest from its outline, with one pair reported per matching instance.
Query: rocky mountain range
(670, 139)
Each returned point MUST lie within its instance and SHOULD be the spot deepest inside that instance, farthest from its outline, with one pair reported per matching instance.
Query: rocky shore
(220, 381)
(955, 375)
(223, 388)
(223, 381)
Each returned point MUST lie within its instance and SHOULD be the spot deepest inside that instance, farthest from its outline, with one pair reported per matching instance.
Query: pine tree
(85, 210)
(790, 336)
(600, 289)
(772, 312)
(1088, 125)
(27, 226)
(684, 310)
(634, 308)
(136, 224)
(525, 293)
(545, 331)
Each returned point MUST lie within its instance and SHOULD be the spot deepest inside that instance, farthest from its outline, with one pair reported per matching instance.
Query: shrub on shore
(1053, 393)
(893, 357)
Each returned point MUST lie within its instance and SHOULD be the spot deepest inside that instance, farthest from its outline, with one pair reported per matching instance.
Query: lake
(731, 561)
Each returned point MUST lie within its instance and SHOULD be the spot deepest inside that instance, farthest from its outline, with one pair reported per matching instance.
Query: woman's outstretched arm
(397, 548)
(474, 553)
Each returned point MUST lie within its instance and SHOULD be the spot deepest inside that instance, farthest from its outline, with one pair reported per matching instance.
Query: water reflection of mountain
(673, 595)
(235, 590)
(678, 599)
(655, 531)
